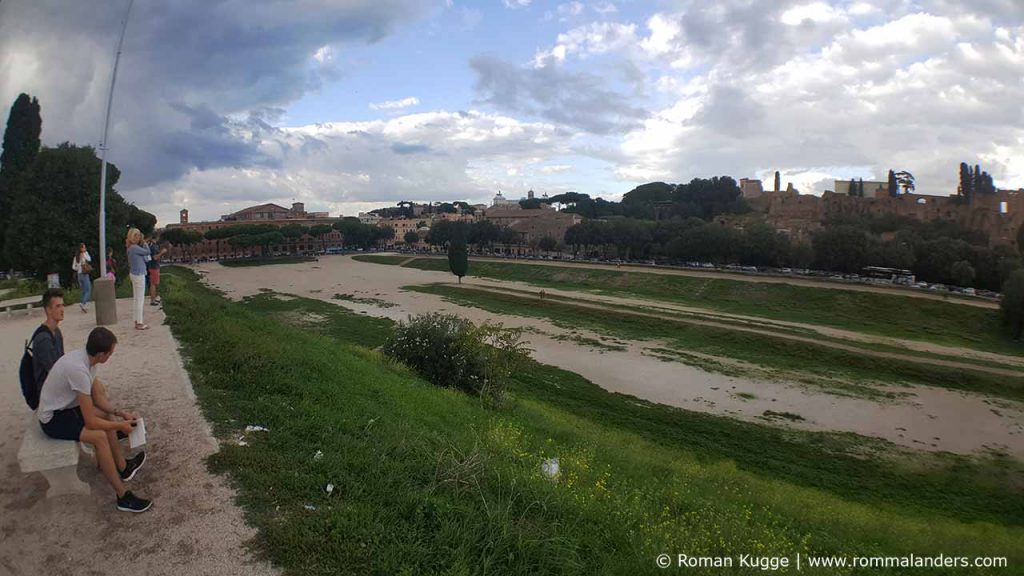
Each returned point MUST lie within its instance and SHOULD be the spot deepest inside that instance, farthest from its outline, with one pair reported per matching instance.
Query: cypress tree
(894, 189)
(458, 254)
(978, 184)
(21, 146)
(966, 181)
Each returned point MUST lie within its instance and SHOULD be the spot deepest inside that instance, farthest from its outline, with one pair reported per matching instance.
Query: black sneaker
(132, 465)
(132, 503)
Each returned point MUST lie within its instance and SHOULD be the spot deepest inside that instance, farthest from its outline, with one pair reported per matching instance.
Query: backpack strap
(42, 327)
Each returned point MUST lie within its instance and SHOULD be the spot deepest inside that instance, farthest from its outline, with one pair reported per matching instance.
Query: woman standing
(82, 265)
(138, 254)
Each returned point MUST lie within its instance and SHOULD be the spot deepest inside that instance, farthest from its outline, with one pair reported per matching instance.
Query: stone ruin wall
(803, 214)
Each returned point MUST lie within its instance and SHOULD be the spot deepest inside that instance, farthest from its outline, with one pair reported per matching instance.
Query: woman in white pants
(138, 254)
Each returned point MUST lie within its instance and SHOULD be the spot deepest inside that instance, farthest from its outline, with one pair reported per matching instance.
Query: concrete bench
(57, 460)
(29, 302)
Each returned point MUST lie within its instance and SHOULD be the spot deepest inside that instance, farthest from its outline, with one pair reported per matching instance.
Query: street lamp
(106, 303)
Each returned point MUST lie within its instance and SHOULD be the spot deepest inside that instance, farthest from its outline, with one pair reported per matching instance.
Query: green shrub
(451, 352)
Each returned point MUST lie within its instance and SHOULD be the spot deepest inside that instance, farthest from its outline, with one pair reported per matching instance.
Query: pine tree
(21, 146)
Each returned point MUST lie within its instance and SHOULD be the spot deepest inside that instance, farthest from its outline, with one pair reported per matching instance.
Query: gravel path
(194, 527)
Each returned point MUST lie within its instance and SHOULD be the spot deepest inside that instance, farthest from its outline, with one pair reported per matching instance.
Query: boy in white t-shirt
(69, 409)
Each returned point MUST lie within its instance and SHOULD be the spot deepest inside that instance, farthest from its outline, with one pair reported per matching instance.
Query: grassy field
(243, 262)
(382, 259)
(890, 315)
(428, 481)
(819, 365)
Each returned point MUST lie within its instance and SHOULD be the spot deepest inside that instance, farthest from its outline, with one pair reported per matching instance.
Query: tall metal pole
(103, 149)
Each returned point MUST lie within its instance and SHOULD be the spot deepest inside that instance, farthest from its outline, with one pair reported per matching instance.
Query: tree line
(354, 233)
(49, 200)
(974, 182)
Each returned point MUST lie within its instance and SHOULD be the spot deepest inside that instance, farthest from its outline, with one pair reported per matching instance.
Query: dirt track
(745, 277)
(607, 304)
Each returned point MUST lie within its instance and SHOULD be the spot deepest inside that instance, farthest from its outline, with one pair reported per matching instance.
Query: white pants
(138, 295)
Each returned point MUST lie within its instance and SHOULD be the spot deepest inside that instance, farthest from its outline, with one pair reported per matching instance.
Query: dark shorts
(154, 276)
(65, 424)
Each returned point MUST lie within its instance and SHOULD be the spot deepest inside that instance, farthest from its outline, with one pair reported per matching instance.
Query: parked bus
(892, 275)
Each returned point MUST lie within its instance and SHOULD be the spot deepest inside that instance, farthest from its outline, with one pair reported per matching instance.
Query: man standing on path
(69, 409)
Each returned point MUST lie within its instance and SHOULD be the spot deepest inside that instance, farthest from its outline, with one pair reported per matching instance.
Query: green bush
(451, 352)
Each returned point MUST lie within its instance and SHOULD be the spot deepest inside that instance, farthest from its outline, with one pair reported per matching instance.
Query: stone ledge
(39, 452)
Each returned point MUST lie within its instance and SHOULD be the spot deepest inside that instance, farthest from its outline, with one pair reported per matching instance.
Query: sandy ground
(926, 418)
(765, 328)
(194, 528)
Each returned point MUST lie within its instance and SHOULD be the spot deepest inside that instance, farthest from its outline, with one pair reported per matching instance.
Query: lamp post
(106, 303)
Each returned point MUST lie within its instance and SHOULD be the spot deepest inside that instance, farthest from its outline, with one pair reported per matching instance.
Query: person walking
(82, 266)
(138, 255)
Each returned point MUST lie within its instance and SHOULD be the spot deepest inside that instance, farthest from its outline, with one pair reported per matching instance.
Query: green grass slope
(428, 481)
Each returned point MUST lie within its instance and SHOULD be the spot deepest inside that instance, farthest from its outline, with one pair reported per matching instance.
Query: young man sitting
(70, 406)
(48, 345)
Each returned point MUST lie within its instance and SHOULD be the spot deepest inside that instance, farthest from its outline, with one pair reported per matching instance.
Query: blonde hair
(134, 236)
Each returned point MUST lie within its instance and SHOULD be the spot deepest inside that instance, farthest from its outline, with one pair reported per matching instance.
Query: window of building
(1004, 208)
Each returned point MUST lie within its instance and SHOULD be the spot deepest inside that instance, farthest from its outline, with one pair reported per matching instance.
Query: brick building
(533, 224)
(262, 214)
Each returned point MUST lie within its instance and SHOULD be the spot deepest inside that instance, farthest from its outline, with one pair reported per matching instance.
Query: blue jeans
(85, 283)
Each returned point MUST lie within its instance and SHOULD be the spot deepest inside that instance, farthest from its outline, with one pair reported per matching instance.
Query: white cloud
(664, 34)
(515, 4)
(426, 156)
(594, 38)
(556, 169)
(895, 95)
(605, 8)
(814, 12)
(396, 104)
(862, 9)
(324, 54)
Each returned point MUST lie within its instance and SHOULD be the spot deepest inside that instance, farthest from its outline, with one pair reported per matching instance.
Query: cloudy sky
(348, 105)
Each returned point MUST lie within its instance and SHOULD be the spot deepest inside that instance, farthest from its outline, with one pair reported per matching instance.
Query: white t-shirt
(76, 262)
(70, 376)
